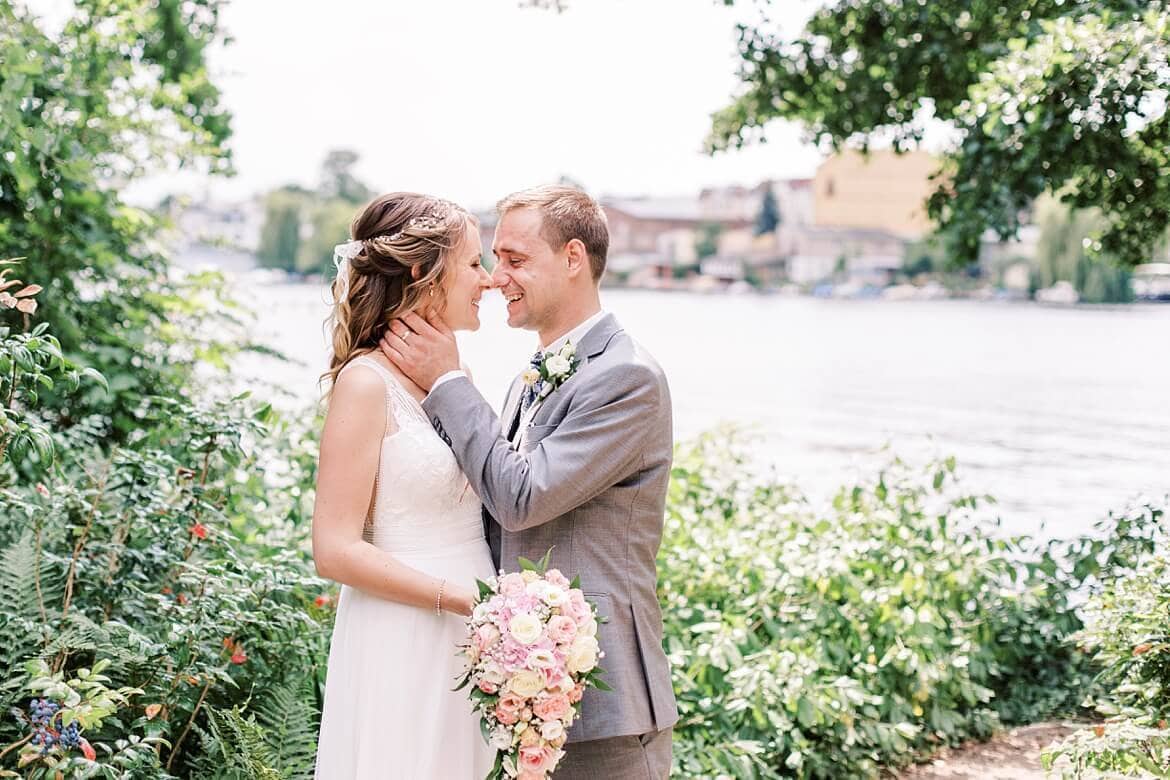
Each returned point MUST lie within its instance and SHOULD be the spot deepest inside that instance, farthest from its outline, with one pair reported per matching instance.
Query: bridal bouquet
(532, 651)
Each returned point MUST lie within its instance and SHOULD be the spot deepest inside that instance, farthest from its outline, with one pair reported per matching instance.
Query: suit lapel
(511, 408)
(592, 344)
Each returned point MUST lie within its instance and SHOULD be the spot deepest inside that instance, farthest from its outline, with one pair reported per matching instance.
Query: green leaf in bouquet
(525, 564)
(545, 560)
(486, 731)
(485, 590)
(594, 679)
(576, 583)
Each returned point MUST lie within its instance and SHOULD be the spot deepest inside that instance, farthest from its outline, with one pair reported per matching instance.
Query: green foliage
(106, 93)
(329, 224)
(1048, 96)
(707, 241)
(1127, 629)
(302, 227)
(1065, 252)
(280, 236)
(166, 564)
(829, 643)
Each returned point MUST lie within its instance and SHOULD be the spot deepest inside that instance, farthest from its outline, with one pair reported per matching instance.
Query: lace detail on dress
(421, 498)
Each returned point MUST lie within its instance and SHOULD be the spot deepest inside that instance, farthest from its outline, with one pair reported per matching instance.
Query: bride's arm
(350, 446)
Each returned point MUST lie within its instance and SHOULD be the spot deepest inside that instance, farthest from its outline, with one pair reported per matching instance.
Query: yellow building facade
(884, 191)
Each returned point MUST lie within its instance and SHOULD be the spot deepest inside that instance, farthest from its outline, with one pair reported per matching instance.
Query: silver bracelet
(439, 598)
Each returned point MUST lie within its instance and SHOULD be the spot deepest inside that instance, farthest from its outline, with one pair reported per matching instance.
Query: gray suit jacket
(589, 482)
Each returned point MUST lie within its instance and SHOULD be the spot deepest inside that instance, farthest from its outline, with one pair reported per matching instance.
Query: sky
(472, 99)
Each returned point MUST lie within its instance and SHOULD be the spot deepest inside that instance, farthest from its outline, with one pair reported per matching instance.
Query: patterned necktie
(532, 392)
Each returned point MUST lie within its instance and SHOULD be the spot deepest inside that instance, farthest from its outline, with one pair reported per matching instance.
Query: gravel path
(1012, 755)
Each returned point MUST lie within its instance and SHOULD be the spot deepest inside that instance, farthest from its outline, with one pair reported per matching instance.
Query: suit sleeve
(598, 444)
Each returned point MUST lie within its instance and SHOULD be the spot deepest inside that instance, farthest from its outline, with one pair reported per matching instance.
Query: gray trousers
(647, 757)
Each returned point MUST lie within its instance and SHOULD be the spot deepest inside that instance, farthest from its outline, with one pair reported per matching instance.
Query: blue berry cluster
(48, 731)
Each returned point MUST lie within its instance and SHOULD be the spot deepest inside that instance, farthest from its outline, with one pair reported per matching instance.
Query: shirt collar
(576, 334)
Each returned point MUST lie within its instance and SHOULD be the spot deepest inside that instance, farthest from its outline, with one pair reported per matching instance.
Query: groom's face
(530, 274)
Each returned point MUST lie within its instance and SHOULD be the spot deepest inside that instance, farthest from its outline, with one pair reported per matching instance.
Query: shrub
(163, 580)
(831, 642)
(1127, 629)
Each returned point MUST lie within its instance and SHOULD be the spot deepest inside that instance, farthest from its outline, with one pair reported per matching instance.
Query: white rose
(494, 673)
(541, 659)
(501, 738)
(589, 628)
(526, 683)
(557, 366)
(555, 597)
(481, 612)
(530, 377)
(583, 654)
(552, 730)
(528, 575)
(538, 588)
(525, 628)
(568, 350)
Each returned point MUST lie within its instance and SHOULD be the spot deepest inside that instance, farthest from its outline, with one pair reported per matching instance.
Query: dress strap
(399, 402)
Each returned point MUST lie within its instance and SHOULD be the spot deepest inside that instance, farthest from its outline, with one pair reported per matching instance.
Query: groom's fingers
(419, 325)
(398, 329)
(392, 345)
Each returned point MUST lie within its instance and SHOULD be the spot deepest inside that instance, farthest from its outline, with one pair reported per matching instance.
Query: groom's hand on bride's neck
(423, 349)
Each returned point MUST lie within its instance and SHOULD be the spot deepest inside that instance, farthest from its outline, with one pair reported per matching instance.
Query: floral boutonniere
(554, 370)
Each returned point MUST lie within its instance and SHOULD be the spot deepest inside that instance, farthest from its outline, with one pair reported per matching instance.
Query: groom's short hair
(566, 213)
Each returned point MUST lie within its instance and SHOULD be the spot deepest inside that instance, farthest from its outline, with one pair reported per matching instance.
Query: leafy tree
(329, 226)
(769, 217)
(707, 241)
(1064, 253)
(1046, 96)
(280, 236)
(301, 226)
(70, 143)
(338, 180)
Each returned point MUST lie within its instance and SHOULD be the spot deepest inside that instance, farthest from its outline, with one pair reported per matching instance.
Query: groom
(581, 468)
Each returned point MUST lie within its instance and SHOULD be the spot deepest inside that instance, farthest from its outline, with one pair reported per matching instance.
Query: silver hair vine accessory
(438, 215)
(342, 255)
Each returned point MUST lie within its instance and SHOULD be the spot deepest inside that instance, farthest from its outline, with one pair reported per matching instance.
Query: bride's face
(465, 282)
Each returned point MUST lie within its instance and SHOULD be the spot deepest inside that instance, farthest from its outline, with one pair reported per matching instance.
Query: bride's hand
(459, 601)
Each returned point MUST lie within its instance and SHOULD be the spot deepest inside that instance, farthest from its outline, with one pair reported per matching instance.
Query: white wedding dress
(389, 709)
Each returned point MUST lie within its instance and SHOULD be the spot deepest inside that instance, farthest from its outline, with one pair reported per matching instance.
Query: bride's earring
(432, 286)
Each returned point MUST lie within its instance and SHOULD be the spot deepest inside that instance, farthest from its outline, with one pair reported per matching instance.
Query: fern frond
(289, 716)
(27, 586)
(234, 748)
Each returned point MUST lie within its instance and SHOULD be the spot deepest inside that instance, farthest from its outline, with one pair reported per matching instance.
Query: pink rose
(575, 695)
(533, 758)
(511, 701)
(512, 585)
(555, 577)
(488, 687)
(552, 708)
(561, 629)
(485, 636)
(506, 716)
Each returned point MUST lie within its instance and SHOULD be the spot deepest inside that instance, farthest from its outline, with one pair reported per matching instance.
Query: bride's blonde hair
(405, 241)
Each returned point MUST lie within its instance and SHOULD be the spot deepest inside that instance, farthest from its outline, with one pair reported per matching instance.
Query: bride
(395, 520)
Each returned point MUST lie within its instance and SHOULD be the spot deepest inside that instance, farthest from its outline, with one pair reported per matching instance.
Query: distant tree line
(301, 226)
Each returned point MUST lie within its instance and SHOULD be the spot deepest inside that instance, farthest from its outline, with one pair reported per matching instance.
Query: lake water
(1060, 413)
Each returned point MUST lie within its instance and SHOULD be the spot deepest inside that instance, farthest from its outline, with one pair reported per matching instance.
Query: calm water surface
(1060, 413)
